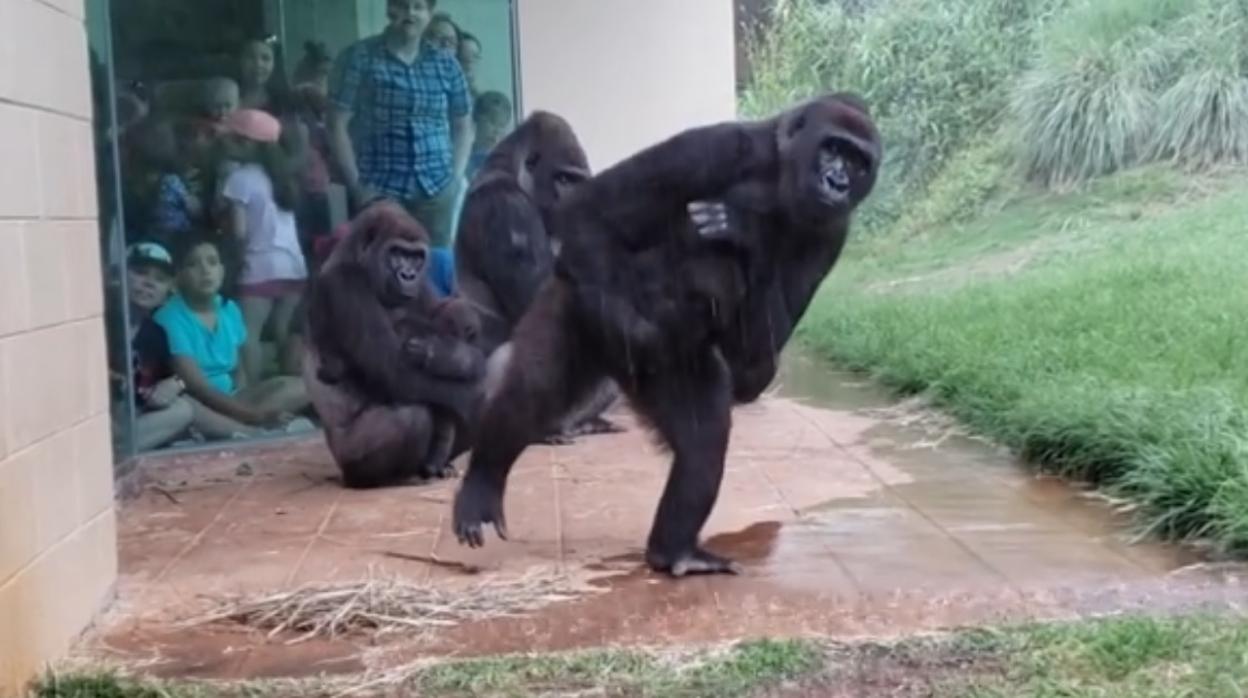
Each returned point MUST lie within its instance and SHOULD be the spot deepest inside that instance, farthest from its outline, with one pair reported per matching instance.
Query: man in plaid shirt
(401, 120)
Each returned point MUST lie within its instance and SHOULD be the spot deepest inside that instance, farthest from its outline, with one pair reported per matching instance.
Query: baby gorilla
(435, 344)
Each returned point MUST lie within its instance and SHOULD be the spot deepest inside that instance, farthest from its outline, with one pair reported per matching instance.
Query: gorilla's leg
(438, 463)
(583, 417)
(692, 412)
(384, 446)
(546, 375)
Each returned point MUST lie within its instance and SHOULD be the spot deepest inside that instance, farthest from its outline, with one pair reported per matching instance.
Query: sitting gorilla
(392, 370)
(504, 251)
(671, 266)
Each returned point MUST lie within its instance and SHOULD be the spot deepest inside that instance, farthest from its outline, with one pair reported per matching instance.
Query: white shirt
(271, 250)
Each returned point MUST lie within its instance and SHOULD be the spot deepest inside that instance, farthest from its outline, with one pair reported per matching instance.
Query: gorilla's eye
(854, 158)
(563, 178)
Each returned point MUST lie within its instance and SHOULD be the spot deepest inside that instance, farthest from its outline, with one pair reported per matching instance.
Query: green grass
(1133, 657)
(735, 671)
(1101, 334)
(1127, 657)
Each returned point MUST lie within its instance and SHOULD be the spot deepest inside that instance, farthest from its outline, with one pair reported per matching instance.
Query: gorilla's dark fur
(392, 371)
(504, 250)
(688, 318)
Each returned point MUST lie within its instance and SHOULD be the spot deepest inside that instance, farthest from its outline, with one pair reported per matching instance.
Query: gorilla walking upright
(677, 311)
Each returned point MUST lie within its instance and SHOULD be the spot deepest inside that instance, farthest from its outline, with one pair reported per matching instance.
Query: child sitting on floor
(206, 333)
(162, 411)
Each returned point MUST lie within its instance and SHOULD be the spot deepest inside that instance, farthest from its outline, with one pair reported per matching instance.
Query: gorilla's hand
(445, 357)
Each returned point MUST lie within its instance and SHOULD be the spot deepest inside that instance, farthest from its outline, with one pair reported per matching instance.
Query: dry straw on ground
(377, 607)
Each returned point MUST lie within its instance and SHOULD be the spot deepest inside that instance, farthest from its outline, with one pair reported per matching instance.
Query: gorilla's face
(833, 151)
(398, 267)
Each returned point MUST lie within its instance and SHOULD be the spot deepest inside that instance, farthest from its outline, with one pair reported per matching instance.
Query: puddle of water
(966, 486)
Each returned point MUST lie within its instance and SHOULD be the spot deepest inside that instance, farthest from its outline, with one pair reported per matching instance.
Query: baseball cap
(149, 254)
(254, 124)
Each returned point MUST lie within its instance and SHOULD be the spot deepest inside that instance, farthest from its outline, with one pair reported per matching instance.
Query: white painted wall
(627, 73)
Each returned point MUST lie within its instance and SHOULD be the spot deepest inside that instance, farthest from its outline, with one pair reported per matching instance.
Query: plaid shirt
(401, 115)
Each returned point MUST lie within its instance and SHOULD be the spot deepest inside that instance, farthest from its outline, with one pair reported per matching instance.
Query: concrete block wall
(58, 551)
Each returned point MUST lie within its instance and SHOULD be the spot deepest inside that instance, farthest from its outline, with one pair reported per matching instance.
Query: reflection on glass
(107, 126)
(236, 138)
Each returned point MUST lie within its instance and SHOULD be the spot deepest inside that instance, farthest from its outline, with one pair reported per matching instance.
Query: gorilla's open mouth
(834, 180)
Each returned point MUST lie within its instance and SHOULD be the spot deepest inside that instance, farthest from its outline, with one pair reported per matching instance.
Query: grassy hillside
(1102, 333)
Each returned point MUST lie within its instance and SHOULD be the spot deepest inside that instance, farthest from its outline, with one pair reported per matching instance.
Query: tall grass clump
(1087, 107)
(1203, 115)
(1118, 83)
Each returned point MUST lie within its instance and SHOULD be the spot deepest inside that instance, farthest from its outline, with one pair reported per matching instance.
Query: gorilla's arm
(633, 197)
(724, 222)
(344, 312)
(513, 257)
(771, 312)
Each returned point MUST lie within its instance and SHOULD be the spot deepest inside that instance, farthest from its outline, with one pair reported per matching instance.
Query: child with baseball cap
(162, 411)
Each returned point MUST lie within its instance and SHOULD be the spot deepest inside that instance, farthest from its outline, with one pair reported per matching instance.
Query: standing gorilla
(504, 251)
(391, 369)
(645, 297)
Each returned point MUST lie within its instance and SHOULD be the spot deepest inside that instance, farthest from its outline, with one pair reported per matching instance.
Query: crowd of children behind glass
(227, 205)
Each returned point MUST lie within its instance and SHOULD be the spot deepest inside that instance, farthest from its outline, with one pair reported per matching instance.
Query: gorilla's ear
(796, 124)
(790, 126)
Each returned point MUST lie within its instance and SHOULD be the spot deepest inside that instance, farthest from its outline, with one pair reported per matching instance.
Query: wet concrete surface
(852, 515)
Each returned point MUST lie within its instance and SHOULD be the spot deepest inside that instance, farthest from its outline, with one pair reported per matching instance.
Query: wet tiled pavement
(849, 522)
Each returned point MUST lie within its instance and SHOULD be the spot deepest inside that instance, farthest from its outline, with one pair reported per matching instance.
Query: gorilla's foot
(557, 438)
(586, 427)
(695, 561)
(438, 471)
(478, 504)
(596, 425)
